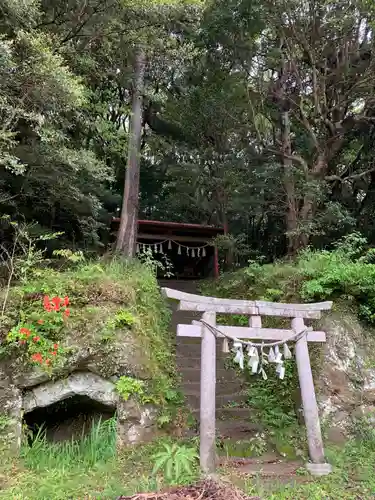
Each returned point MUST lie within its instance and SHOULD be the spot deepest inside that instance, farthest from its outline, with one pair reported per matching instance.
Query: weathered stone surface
(345, 380)
(10, 414)
(112, 360)
(78, 384)
(135, 424)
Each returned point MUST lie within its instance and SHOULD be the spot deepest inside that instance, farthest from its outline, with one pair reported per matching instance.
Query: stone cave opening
(68, 419)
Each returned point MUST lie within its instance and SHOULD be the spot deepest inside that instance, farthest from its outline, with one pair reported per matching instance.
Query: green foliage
(253, 447)
(273, 400)
(352, 477)
(176, 461)
(128, 386)
(345, 273)
(160, 392)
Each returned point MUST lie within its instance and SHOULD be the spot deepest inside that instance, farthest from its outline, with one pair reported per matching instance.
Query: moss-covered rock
(105, 318)
(117, 323)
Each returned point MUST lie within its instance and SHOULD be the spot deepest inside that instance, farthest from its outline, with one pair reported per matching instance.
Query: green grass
(90, 468)
(353, 477)
(98, 445)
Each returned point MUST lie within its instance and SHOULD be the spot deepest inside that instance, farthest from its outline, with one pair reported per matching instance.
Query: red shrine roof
(153, 226)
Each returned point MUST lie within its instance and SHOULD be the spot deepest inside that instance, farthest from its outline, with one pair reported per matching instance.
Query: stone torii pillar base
(319, 469)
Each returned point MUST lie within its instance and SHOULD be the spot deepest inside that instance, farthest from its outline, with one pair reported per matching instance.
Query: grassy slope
(49, 473)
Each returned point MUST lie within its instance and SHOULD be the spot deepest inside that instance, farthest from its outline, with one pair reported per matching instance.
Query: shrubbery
(345, 273)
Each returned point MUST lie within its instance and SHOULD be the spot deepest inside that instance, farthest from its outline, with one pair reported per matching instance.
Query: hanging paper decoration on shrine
(258, 356)
(158, 248)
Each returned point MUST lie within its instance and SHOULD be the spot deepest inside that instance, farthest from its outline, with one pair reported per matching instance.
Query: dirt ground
(204, 490)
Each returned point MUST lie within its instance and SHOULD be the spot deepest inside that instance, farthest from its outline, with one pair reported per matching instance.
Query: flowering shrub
(39, 333)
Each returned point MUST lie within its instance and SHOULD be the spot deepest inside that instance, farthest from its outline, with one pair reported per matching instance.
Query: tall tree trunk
(292, 208)
(127, 234)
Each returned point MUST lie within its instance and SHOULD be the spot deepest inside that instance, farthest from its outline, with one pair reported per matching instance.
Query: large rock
(114, 325)
(135, 423)
(77, 384)
(345, 376)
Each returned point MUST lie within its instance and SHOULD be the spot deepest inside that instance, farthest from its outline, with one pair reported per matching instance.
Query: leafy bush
(347, 272)
(176, 461)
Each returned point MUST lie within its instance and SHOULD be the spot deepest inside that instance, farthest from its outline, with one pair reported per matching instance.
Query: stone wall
(345, 377)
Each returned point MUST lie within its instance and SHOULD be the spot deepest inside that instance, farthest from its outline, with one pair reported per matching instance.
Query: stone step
(233, 430)
(194, 341)
(193, 400)
(229, 413)
(194, 362)
(237, 429)
(192, 388)
(222, 375)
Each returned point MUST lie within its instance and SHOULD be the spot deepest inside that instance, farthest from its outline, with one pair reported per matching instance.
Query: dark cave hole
(68, 419)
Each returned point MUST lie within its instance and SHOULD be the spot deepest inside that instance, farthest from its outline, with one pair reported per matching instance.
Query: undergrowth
(352, 477)
(98, 445)
(92, 469)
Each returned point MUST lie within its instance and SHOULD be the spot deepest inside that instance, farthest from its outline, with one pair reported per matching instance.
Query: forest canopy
(257, 116)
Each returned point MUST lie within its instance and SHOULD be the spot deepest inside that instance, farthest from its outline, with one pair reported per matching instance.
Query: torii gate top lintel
(192, 302)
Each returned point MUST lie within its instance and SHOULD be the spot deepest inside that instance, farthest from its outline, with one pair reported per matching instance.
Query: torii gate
(210, 306)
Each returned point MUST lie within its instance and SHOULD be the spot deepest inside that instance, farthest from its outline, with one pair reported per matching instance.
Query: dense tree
(257, 116)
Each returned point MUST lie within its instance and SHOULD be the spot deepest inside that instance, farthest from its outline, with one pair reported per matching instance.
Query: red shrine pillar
(216, 263)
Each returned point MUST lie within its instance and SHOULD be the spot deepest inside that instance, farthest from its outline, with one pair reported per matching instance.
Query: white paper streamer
(225, 348)
(169, 245)
(271, 355)
(278, 355)
(287, 353)
(239, 354)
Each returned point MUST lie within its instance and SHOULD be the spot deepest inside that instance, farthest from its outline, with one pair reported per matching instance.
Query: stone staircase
(232, 419)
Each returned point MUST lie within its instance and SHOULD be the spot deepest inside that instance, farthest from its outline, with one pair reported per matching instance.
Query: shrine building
(187, 249)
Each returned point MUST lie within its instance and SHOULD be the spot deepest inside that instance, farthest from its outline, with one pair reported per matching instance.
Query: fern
(176, 461)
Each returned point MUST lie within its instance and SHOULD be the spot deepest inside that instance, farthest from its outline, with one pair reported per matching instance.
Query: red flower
(36, 339)
(38, 358)
(55, 346)
(53, 353)
(22, 341)
(47, 304)
(25, 331)
(48, 361)
(66, 301)
(56, 303)
(40, 322)
(67, 313)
